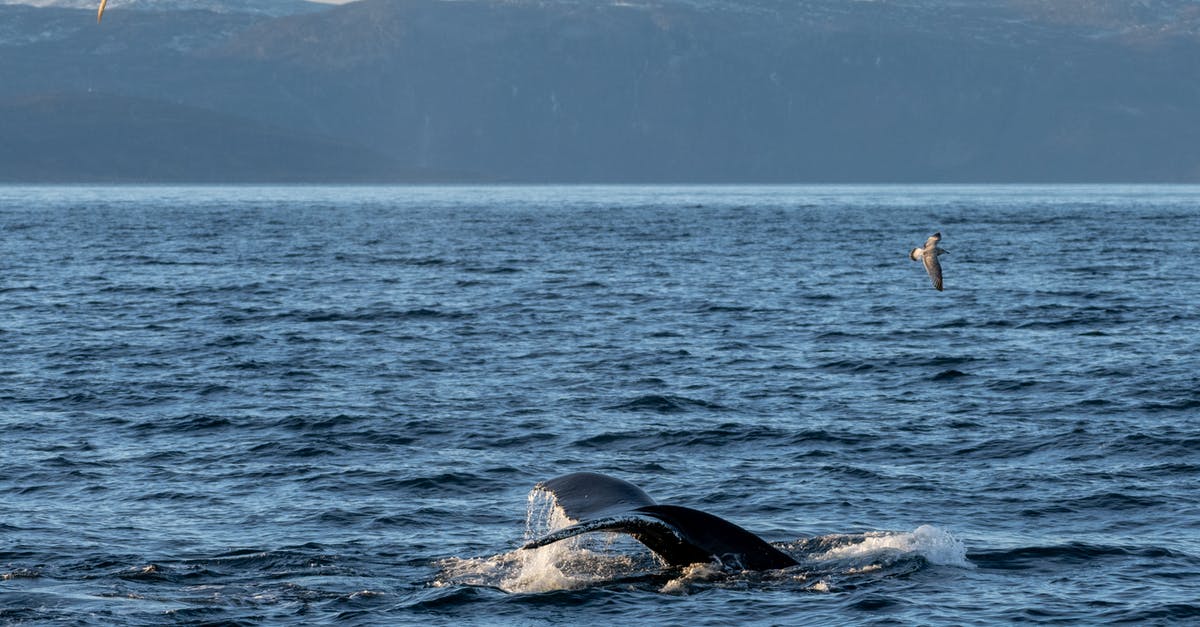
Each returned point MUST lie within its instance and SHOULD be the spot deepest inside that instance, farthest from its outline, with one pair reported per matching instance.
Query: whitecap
(936, 545)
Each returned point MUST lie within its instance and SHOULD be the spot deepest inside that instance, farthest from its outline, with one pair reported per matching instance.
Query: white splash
(543, 515)
(936, 545)
(558, 566)
(692, 574)
(566, 565)
(539, 570)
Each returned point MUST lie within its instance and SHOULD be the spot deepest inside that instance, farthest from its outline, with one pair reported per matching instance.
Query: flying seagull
(928, 254)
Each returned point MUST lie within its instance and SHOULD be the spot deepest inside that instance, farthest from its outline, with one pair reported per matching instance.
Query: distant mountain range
(595, 91)
(260, 7)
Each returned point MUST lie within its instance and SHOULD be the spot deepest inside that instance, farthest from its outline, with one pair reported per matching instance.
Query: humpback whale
(929, 255)
(678, 535)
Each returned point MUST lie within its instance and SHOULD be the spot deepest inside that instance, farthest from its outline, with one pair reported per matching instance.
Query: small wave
(130, 289)
(19, 288)
(213, 388)
(297, 451)
(493, 269)
(78, 398)
(417, 261)
(379, 315)
(1023, 558)
(720, 436)
(874, 603)
(20, 573)
(1095, 402)
(588, 285)
(441, 596)
(453, 482)
(935, 545)
(149, 572)
(854, 472)
(1011, 448)
(1172, 469)
(233, 341)
(666, 404)
(848, 365)
(1171, 613)
(1182, 404)
(1156, 445)
(722, 308)
(319, 424)
(824, 435)
(836, 335)
(176, 496)
(185, 424)
(1013, 385)
(1107, 501)
(306, 557)
(947, 360)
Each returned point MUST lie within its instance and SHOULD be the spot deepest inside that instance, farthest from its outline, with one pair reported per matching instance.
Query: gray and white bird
(928, 255)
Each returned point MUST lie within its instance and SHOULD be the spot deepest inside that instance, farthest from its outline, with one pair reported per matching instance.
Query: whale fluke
(588, 495)
(679, 535)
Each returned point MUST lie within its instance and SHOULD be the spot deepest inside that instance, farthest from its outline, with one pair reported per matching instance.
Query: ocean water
(329, 405)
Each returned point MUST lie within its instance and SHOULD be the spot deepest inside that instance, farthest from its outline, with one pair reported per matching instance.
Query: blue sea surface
(329, 405)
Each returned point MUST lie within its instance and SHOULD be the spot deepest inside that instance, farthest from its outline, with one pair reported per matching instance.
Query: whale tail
(679, 535)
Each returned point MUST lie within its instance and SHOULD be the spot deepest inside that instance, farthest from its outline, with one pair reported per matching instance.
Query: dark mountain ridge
(96, 137)
(765, 91)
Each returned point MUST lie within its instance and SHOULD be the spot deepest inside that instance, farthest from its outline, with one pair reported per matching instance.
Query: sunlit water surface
(330, 404)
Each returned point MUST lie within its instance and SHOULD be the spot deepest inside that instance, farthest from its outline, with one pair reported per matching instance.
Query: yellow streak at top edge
(100, 13)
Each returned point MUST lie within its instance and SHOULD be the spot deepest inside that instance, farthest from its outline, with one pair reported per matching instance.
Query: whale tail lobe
(678, 535)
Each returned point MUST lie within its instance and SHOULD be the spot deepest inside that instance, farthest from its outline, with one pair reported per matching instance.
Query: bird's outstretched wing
(933, 268)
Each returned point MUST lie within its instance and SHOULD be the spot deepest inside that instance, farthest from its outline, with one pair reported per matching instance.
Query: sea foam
(934, 544)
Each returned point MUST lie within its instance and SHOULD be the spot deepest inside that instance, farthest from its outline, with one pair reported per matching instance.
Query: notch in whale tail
(679, 535)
